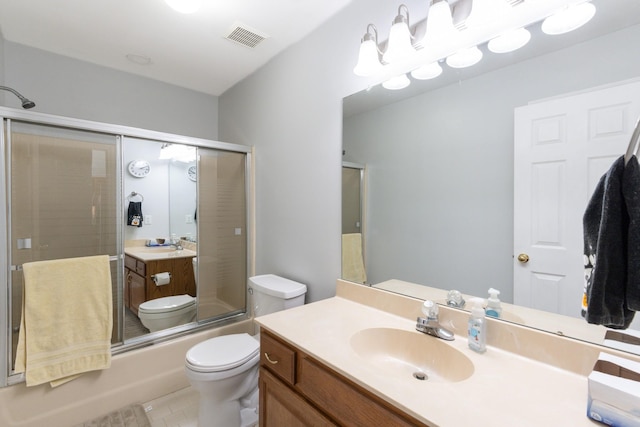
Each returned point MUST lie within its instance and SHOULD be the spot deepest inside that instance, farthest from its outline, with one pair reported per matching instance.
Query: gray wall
(67, 87)
(291, 111)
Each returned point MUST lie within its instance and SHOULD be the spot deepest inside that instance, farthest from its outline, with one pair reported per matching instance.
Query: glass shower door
(62, 188)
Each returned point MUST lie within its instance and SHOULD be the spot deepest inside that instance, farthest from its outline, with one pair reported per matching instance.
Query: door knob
(523, 258)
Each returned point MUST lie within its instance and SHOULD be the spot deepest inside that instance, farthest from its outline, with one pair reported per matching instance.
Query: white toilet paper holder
(161, 279)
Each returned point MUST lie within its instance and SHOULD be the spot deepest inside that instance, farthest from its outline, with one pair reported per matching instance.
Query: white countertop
(153, 253)
(504, 390)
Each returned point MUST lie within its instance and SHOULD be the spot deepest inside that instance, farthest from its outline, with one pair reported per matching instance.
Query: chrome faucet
(430, 325)
(175, 243)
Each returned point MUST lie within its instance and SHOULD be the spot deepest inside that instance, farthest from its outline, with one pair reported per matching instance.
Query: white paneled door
(562, 148)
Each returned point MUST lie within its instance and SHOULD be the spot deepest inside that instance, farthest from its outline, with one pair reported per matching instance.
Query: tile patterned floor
(178, 409)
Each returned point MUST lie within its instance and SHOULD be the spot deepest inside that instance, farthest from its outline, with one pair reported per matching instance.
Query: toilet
(224, 369)
(167, 312)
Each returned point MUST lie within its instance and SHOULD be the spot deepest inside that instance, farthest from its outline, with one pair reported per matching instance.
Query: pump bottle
(477, 327)
(494, 309)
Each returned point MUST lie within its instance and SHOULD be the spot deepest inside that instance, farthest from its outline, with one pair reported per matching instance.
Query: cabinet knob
(273, 362)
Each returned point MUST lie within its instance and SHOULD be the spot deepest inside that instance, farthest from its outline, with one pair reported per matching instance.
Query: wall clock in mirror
(139, 168)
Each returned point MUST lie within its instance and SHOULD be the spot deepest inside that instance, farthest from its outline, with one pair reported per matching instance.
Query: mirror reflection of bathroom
(353, 193)
(162, 262)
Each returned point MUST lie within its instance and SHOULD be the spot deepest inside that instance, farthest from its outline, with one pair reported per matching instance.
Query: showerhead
(26, 103)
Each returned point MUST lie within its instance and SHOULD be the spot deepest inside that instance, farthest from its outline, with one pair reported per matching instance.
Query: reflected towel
(352, 262)
(606, 223)
(134, 214)
(631, 192)
(67, 319)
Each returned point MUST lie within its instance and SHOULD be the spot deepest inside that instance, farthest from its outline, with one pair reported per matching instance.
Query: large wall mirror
(439, 160)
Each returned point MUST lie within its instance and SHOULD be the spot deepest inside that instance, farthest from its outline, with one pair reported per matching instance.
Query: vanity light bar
(458, 39)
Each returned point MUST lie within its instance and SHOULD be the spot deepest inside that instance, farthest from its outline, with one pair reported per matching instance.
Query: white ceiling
(190, 51)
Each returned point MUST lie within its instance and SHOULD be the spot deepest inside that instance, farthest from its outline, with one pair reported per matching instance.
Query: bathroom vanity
(350, 360)
(141, 264)
(296, 389)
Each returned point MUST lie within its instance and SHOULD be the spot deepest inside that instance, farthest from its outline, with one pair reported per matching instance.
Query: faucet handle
(430, 309)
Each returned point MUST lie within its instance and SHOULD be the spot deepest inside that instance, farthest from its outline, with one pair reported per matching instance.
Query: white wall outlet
(238, 231)
(148, 219)
(188, 218)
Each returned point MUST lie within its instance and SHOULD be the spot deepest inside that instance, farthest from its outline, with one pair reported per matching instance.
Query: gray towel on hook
(631, 192)
(606, 224)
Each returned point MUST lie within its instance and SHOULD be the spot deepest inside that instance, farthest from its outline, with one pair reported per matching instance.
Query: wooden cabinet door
(345, 401)
(137, 292)
(280, 406)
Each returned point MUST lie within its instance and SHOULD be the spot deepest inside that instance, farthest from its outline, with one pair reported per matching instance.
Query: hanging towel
(631, 192)
(134, 214)
(606, 223)
(67, 319)
(352, 263)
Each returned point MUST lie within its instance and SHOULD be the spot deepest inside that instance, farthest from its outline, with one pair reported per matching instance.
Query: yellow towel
(67, 319)
(352, 263)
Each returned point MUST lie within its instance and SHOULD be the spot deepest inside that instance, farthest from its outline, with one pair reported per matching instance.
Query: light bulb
(484, 12)
(399, 47)
(427, 71)
(509, 41)
(465, 57)
(368, 60)
(439, 22)
(397, 82)
(570, 18)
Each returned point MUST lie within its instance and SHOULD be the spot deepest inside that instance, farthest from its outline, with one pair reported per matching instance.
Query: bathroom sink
(408, 353)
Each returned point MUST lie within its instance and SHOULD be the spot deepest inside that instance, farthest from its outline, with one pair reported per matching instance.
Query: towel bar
(19, 266)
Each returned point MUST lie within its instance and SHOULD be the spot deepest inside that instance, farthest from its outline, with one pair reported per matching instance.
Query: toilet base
(249, 417)
(228, 414)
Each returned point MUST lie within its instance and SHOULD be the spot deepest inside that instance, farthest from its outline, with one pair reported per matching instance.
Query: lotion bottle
(494, 309)
(477, 328)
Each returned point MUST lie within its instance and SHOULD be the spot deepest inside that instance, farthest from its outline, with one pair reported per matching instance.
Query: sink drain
(420, 376)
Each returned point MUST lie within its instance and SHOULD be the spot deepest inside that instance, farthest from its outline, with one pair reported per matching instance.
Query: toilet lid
(222, 353)
(167, 304)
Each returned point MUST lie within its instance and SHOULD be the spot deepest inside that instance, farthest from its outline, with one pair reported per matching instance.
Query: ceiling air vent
(245, 36)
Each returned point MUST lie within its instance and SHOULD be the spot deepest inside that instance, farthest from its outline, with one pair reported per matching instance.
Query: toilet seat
(222, 353)
(166, 304)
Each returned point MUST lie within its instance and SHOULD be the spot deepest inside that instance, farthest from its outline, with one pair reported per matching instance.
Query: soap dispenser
(494, 309)
(477, 327)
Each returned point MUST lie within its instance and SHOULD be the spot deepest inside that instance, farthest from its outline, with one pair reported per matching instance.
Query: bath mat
(129, 416)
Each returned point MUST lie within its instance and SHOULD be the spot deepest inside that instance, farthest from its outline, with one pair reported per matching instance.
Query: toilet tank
(273, 293)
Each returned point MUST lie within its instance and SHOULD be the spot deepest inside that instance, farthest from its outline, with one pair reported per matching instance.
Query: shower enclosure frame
(7, 115)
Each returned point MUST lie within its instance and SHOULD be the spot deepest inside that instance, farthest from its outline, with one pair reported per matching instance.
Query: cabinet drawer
(141, 268)
(130, 262)
(278, 357)
(136, 265)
